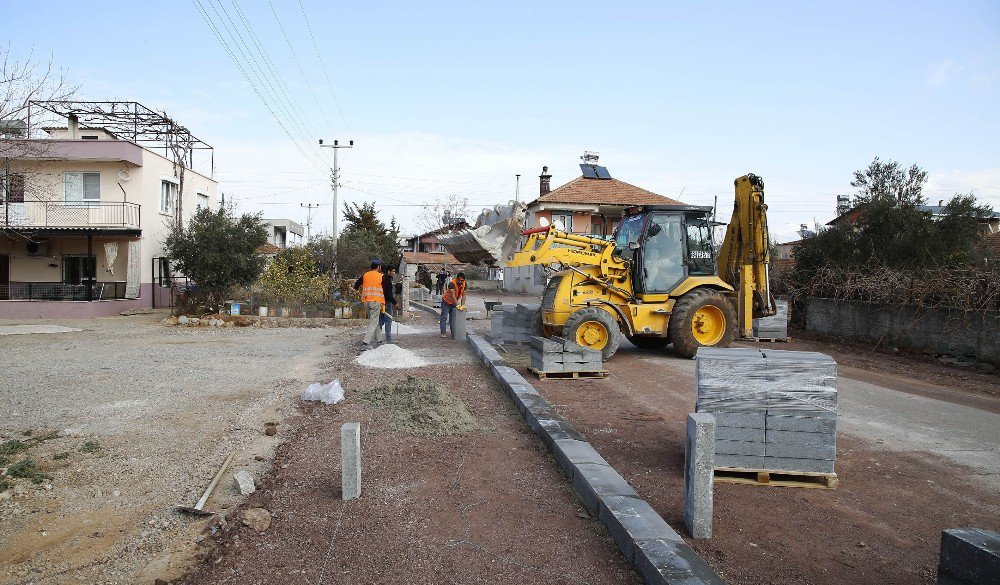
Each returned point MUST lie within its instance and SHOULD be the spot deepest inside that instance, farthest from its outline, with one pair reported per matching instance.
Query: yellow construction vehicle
(658, 282)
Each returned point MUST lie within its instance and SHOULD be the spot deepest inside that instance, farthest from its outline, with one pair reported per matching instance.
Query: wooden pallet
(825, 481)
(569, 375)
(771, 339)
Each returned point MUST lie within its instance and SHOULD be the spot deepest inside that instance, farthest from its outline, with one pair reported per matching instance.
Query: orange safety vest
(451, 295)
(371, 288)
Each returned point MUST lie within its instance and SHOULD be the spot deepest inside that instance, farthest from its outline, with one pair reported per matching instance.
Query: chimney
(74, 127)
(544, 181)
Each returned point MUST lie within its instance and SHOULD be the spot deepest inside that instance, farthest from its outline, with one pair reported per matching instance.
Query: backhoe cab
(658, 281)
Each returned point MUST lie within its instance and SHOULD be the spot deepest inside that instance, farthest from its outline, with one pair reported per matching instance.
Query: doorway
(4, 277)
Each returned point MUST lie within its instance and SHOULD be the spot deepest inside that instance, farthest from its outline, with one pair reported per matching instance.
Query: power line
(322, 110)
(329, 84)
(218, 35)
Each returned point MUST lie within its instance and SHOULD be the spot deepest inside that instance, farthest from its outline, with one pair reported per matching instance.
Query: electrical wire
(329, 84)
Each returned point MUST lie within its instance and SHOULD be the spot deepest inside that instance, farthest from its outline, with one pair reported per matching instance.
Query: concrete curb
(655, 549)
(426, 308)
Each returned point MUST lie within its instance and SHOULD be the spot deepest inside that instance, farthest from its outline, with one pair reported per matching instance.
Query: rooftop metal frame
(127, 120)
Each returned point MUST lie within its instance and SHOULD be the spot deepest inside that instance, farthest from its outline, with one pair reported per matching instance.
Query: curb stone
(655, 549)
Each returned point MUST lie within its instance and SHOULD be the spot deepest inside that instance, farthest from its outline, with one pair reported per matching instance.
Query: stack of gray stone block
(561, 355)
(775, 326)
(515, 322)
(969, 556)
(775, 410)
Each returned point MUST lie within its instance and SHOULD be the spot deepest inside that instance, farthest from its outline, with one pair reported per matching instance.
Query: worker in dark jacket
(391, 303)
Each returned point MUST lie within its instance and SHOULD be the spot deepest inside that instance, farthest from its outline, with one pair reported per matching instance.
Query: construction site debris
(331, 393)
(244, 483)
(389, 356)
(561, 355)
(775, 410)
(421, 407)
(496, 235)
(257, 519)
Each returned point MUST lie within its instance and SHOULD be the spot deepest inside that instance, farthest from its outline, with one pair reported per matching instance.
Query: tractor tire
(647, 342)
(701, 318)
(595, 329)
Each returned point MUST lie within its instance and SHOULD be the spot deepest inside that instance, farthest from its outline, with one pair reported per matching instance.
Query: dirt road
(122, 420)
(909, 466)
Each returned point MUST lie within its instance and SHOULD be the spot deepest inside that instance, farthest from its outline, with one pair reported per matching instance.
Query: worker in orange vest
(372, 300)
(452, 300)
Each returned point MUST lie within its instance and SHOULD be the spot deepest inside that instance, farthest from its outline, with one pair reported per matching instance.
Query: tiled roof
(603, 192)
(431, 258)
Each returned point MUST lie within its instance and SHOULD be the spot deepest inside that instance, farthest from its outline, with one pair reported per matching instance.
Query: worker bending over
(453, 299)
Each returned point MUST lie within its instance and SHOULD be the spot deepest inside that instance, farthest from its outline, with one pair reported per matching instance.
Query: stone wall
(941, 331)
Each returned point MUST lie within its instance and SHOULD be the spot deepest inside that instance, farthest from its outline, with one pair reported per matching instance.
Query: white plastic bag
(331, 393)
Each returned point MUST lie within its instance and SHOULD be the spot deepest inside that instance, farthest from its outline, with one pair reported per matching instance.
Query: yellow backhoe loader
(659, 281)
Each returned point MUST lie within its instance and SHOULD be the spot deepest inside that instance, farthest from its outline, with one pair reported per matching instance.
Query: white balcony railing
(60, 214)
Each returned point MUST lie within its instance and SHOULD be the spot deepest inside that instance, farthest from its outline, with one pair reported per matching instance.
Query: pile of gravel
(390, 356)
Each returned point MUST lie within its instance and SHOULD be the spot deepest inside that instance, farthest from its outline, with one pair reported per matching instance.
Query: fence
(58, 291)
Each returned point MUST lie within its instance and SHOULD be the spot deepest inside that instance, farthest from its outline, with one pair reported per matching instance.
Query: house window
(82, 189)
(202, 201)
(168, 196)
(78, 268)
(12, 190)
(164, 278)
(563, 219)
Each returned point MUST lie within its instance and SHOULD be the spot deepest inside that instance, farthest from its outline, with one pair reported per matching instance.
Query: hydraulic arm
(745, 253)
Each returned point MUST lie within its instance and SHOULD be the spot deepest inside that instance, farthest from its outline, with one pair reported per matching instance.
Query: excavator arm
(547, 245)
(745, 253)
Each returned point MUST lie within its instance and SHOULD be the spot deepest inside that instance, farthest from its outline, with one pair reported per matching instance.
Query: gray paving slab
(665, 562)
(781, 450)
(632, 520)
(811, 424)
(799, 438)
(739, 419)
(756, 435)
(595, 482)
(791, 465)
(552, 430)
(971, 555)
(699, 456)
(738, 447)
(570, 452)
(740, 461)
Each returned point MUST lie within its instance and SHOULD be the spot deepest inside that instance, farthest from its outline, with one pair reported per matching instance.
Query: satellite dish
(543, 222)
(559, 226)
(124, 176)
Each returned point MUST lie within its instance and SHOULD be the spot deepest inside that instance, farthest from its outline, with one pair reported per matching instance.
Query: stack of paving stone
(515, 322)
(775, 326)
(560, 355)
(774, 410)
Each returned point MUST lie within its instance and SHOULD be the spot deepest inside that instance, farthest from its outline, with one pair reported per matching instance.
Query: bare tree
(445, 211)
(180, 142)
(23, 81)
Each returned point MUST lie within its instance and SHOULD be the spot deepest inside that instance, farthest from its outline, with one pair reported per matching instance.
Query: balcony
(60, 214)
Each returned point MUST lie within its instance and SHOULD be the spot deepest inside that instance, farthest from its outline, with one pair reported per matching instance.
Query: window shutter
(92, 186)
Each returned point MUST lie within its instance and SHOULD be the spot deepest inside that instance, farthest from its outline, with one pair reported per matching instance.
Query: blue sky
(458, 97)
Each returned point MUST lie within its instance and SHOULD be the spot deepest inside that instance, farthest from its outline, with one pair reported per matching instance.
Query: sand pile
(422, 407)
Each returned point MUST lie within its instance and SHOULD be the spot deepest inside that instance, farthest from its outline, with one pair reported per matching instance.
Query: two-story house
(85, 207)
(590, 204)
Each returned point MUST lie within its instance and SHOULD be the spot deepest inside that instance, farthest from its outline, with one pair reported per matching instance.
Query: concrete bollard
(350, 460)
(459, 327)
(698, 474)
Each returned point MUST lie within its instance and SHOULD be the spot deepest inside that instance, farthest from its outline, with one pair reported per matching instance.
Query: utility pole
(517, 189)
(309, 218)
(335, 179)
